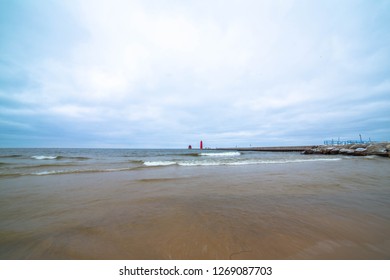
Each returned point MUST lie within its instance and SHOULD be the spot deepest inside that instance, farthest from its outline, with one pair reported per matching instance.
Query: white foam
(217, 163)
(199, 163)
(159, 163)
(230, 162)
(223, 154)
(250, 162)
(44, 157)
(46, 173)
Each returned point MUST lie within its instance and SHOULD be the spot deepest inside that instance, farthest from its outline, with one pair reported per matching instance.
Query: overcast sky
(168, 74)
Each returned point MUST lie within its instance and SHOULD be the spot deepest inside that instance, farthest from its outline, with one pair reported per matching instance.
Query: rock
(357, 146)
(360, 152)
(346, 151)
(327, 150)
(377, 149)
(312, 151)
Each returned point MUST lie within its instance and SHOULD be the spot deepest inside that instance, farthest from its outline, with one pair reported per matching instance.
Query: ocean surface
(192, 204)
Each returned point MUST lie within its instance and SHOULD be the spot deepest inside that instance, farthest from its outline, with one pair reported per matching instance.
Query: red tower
(201, 145)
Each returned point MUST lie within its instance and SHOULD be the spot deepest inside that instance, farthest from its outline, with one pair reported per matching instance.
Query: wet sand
(321, 210)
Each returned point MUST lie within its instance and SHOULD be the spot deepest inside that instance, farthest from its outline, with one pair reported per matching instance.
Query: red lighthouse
(201, 145)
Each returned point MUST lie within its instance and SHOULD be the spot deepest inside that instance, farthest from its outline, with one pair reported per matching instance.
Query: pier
(270, 149)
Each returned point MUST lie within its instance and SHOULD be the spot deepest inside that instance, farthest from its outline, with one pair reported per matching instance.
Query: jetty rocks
(361, 149)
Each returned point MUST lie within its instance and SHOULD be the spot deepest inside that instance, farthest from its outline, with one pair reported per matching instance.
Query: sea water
(38, 162)
(192, 204)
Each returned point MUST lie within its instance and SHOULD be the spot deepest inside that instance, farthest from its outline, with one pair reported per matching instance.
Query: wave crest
(79, 171)
(44, 157)
(11, 156)
(159, 163)
(223, 154)
(229, 162)
(41, 157)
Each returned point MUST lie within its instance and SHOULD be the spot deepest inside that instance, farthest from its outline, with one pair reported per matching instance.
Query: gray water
(184, 204)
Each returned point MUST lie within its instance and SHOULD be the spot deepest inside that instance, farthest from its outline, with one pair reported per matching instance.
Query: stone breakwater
(378, 149)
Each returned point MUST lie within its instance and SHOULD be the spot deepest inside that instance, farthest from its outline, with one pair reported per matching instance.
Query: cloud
(144, 73)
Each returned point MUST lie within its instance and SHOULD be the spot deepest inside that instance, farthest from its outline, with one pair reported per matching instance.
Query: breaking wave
(232, 163)
(58, 157)
(44, 157)
(209, 154)
(223, 154)
(159, 163)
